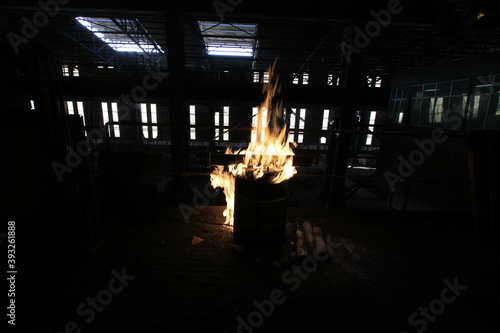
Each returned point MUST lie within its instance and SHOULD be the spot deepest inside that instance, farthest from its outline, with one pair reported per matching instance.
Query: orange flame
(268, 150)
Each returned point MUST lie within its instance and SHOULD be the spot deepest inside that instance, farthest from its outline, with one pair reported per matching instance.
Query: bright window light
(369, 137)
(305, 78)
(192, 121)
(32, 104)
(300, 139)
(79, 108)
(255, 110)
(65, 70)
(108, 116)
(326, 118)
(256, 77)
(76, 71)
(291, 135)
(229, 39)
(114, 112)
(329, 81)
(122, 35)
(76, 107)
(266, 77)
(295, 78)
(302, 119)
(69, 106)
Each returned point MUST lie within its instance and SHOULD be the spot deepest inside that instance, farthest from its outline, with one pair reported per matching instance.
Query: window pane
(302, 119)
(305, 78)
(292, 118)
(217, 118)
(153, 113)
(69, 105)
(226, 116)
(300, 139)
(105, 114)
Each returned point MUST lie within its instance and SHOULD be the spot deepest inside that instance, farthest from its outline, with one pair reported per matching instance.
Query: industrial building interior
(115, 115)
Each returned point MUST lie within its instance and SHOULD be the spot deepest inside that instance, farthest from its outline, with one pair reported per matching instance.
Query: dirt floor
(387, 272)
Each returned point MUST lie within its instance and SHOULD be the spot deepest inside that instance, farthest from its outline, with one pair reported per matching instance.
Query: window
(76, 107)
(291, 135)
(121, 34)
(65, 70)
(256, 118)
(229, 39)
(255, 111)
(266, 77)
(110, 113)
(324, 125)
(329, 81)
(297, 123)
(192, 122)
(148, 116)
(436, 115)
(256, 77)
(32, 104)
(374, 81)
(371, 122)
(76, 71)
(224, 116)
(333, 80)
(305, 78)
(297, 78)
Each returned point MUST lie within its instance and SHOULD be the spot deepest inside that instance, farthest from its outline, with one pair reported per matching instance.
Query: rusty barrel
(259, 212)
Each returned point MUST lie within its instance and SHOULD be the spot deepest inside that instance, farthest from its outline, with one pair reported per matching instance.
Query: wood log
(301, 244)
(309, 237)
(319, 240)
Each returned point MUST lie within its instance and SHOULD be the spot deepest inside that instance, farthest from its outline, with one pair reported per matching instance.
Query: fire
(268, 150)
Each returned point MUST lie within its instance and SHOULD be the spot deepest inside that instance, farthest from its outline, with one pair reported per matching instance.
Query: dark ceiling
(305, 36)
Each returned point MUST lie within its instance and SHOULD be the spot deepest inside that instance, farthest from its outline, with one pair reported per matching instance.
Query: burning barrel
(259, 211)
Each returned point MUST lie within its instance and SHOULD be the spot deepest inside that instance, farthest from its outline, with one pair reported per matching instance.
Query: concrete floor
(384, 267)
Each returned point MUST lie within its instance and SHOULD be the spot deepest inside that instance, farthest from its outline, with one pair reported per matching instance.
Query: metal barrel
(259, 212)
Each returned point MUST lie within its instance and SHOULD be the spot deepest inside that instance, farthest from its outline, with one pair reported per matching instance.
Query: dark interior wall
(440, 182)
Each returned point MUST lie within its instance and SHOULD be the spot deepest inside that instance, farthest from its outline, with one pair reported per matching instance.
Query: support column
(338, 155)
(178, 116)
